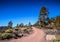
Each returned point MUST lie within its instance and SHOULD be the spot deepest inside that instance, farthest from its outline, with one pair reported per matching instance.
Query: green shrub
(0, 36)
(2, 31)
(57, 39)
(16, 29)
(26, 31)
(8, 31)
(49, 27)
(57, 25)
(58, 28)
(5, 35)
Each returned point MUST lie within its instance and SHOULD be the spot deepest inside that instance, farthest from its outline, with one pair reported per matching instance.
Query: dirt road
(37, 36)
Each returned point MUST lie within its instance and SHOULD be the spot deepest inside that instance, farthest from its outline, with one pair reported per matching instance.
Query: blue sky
(25, 11)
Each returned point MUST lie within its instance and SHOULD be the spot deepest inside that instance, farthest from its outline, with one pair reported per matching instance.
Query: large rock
(50, 37)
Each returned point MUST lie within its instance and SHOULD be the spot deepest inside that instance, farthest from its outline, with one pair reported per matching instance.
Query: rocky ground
(38, 35)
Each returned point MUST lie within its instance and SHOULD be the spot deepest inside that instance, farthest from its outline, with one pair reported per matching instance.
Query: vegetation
(21, 25)
(57, 21)
(6, 36)
(43, 16)
(8, 31)
(0, 36)
(57, 39)
(17, 26)
(49, 27)
(43, 21)
(10, 24)
(14, 33)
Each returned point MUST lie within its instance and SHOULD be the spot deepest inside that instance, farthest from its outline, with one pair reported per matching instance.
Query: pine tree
(21, 25)
(29, 24)
(10, 24)
(43, 16)
(17, 26)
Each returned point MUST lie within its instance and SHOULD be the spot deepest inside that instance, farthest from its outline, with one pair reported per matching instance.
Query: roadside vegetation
(51, 26)
(15, 32)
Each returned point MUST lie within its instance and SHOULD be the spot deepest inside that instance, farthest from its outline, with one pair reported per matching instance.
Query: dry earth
(37, 36)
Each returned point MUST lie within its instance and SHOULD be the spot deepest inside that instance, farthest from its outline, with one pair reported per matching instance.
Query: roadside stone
(50, 37)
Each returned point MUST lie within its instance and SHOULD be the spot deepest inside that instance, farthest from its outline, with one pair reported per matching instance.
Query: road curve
(37, 36)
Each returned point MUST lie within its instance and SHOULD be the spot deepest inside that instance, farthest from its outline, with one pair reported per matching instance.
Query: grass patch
(57, 39)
